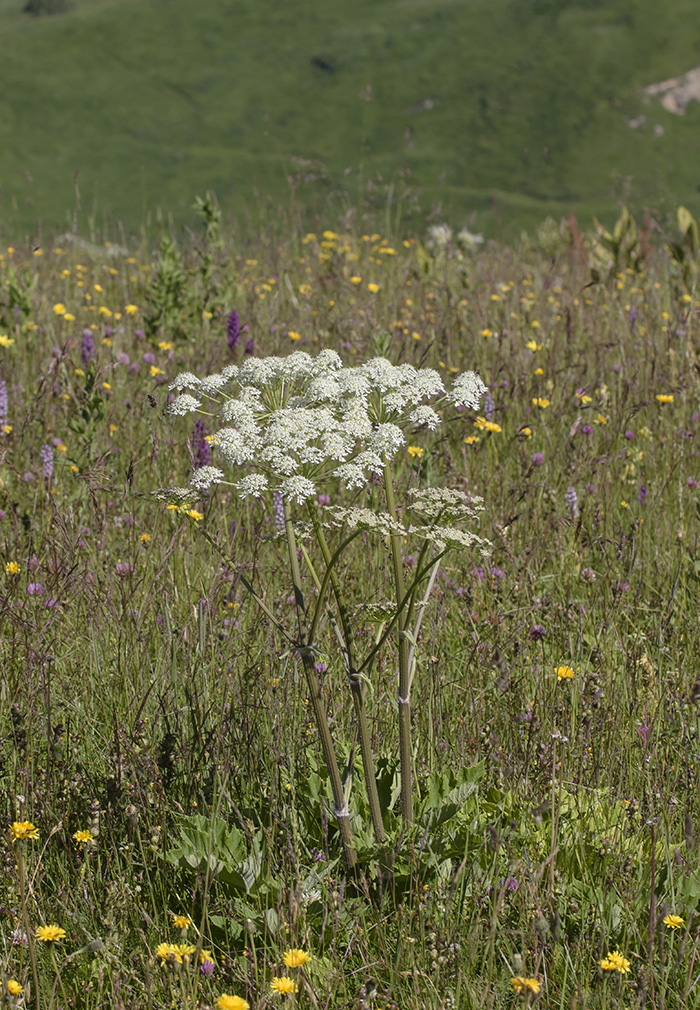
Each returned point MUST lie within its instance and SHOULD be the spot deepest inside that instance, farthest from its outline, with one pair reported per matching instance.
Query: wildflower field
(349, 626)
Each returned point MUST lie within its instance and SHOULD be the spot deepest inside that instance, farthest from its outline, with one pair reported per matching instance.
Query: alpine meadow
(349, 510)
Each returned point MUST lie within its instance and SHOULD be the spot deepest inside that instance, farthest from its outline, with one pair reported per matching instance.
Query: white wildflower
(351, 475)
(205, 476)
(363, 519)
(386, 440)
(424, 417)
(254, 484)
(212, 383)
(467, 390)
(440, 235)
(298, 489)
(449, 536)
(174, 495)
(184, 404)
(186, 380)
(236, 447)
(444, 502)
(470, 240)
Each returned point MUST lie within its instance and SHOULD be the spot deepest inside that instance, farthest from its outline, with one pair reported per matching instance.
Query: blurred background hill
(487, 113)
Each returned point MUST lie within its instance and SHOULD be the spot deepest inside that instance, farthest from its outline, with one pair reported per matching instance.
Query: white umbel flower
(184, 404)
(205, 476)
(467, 390)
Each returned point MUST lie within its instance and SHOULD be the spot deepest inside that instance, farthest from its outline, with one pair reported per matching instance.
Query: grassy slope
(153, 101)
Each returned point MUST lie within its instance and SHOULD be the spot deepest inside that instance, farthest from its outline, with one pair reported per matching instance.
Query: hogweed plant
(297, 426)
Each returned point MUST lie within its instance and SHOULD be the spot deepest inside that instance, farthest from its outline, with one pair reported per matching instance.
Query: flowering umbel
(293, 423)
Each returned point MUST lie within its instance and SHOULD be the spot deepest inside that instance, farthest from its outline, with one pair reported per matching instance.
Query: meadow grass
(157, 731)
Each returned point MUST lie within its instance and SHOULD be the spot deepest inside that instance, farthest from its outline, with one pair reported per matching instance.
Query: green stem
(356, 685)
(342, 812)
(25, 922)
(404, 666)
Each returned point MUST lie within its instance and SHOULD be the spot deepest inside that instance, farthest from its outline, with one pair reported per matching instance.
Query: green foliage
(167, 296)
(619, 249)
(498, 113)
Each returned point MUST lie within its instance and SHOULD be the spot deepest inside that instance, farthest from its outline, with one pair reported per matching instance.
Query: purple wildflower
(200, 447)
(28, 477)
(324, 499)
(278, 509)
(642, 494)
(320, 668)
(586, 429)
(629, 435)
(691, 483)
(233, 329)
(591, 488)
(46, 457)
(588, 574)
(3, 401)
(150, 358)
(489, 405)
(139, 334)
(35, 589)
(124, 569)
(207, 968)
(572, 502)
(87, 351)
(536, 633)
(497, 574)
(537, 458)
(249, 346)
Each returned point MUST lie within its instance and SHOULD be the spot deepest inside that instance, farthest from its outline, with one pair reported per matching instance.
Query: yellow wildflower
(22, 830)
(225, 1002)
(373, 288)
(485, 425)
(565, 673)
(168, 952)
(664, 397)
(356, 280)
(283, 984)
(83, 838)
(145, 538)
(295, 958)
(673, 922)
(6, 341)
(179, 921)
(131, 310)
(471, 439)
(12, 568)
(194, 514)
(59, 308)
(415, 450)
(13, 987)
(615, 962)
(50, 933)
(540, 401)
(525, 986)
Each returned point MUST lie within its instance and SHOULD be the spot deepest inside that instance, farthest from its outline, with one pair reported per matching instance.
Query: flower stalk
(342, 811)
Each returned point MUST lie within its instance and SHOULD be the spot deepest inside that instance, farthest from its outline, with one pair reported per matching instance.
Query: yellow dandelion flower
(485, 425)
(565, 673)
(356, 280)
(6, 341)
(673, 922)
(145, 538)
(13, 987)
(179, 921)
(185, 950)
(156, 371)
(12, 568)
(83, 838)
(73, 468)
(68, 317)
(194, 514)
(525, 986)
(131, 310)
(166, 345)
(373, 288)
(294, 958)
(471, 439)
(283, 984)
(104, 311)
(538, 371)
(615, 962)
(532, 345)
(664, 397)
(98, 288)
(226, 1002)
(21, 830)
(106, 385)
(168, 952)
(293, 335)
(59, 308)
(526, 431)
(415, 451)
(487, 333)
(206, 955)
(50, 933)
(540, 401)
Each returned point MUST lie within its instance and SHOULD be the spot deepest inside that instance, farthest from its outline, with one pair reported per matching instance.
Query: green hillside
(507, 110)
